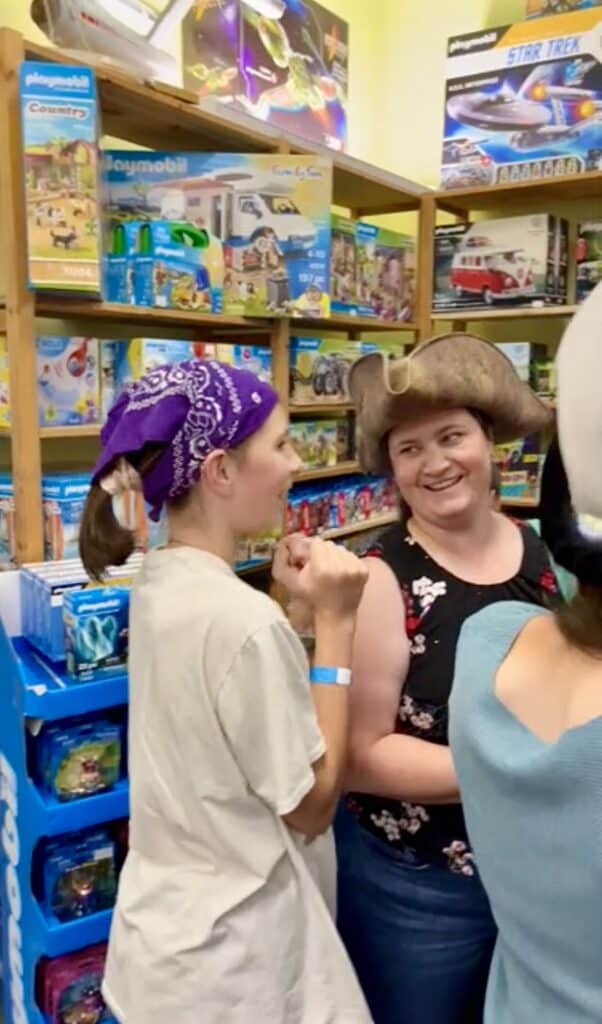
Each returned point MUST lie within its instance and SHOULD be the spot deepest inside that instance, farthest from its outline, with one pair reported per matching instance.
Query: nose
(436, 462)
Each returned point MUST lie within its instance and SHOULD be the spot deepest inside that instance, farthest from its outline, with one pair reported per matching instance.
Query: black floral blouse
(436, 605)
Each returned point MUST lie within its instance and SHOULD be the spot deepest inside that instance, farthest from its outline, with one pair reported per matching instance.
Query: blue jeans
(420, 938)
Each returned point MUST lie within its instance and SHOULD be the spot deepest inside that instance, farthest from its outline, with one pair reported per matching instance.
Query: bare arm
(380, 761)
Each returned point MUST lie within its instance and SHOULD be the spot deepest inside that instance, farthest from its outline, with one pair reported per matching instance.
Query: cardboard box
(267, 219)
(521, 465)
(343, 265)
(386, 269)
(7, 520)
(63, 500)
(320, 369)
(588, 258)
(255, 358)
(524, 356)
(60, 154)
(315, 442)
(511, 261)
(284, 61)
(4, 386)
(523, 102)
(68, 377)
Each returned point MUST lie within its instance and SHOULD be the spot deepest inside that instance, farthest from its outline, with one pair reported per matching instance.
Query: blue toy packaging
(254, 228)
(523, 102)
(77, 758)
(63, 500)
(60, 126)
(7, 520)
(96, 631)
(255, 358)
(79, 874)
(119, 262)
(68, 378)
(69, 987)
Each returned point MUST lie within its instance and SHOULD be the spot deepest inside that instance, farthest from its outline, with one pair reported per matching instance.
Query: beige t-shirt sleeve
(267, 714)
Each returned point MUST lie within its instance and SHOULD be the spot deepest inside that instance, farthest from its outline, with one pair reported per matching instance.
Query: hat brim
(451, 371)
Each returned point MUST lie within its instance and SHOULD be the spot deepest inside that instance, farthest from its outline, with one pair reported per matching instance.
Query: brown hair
(580, 621)
(103, 541)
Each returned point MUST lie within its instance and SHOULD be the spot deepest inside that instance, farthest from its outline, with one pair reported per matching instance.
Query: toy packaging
(271, 215)
(96, 631)
(524, 356)
(523, 102)
(588, 258)
(539, 8)
(60, 128)
(386, 268)
(69, 987)
(343, 265)
(511, 261)
(258, 548)
(63, 500)
(4, 386)
(315, 441)
(255, 358)
(77, 758)
(7, 520)
(285, 62)
(320, 369)
(68, 376)
(120, 249)
(327, 505)
(521, 465)
(79, 875)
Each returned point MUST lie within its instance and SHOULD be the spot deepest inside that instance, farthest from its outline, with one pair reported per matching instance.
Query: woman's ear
(218, 472)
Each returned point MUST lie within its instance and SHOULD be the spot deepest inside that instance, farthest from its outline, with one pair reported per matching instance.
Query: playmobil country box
(511, 261)
(283, 61)
(523, 101)
(60, 153)
(269, 215)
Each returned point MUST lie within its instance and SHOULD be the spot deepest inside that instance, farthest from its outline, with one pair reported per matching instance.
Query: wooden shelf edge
(365, 324)
(66, 309)
(376, 523)
(320, 409)
(324, 472)
(85, 430)
(519, 503)
(514, 313)
(573, 186)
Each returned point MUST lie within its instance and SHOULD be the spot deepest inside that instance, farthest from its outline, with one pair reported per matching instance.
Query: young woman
(526, 733)
(412, 910)
(235, 759)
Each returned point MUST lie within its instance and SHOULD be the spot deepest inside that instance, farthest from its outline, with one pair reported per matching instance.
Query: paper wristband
(330, 676)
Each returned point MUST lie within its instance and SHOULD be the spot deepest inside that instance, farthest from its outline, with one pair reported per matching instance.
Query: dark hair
(103, 541)
(580, 621)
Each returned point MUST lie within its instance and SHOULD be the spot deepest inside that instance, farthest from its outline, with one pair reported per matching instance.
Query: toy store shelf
(56, 817)
(259, 565)
(339, 322)
(321, 408)
(49, 693)
(86, 430)
(60, 937)
(578, 186)
(143, 315)
(519, 503)
(323, 472)
(161, 116)
(376, 523)
(506, 313)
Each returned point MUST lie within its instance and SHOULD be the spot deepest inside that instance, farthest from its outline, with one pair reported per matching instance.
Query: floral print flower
(418, 644)
(460, 858)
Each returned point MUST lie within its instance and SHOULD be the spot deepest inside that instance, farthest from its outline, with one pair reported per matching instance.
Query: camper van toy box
(284, 61)
(271, 215)
(511, 261)
(60, 153)
(343, 265)
(385, 273)
(523, 102)
(588, 258)
(319, 369)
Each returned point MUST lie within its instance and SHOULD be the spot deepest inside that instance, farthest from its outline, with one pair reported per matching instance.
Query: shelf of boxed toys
(374, 523)
(587, 185)
(324, 472)
(505, 313)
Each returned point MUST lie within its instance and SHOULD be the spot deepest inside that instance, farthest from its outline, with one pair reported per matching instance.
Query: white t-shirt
(219, 919)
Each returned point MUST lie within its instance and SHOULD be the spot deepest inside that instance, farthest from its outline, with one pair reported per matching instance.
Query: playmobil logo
(10, 846)
(112, 605)
(75, 82)
(36, 109)
(165, 165)
(466, 44)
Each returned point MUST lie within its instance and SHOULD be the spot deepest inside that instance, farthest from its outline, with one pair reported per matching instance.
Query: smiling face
(442, 466)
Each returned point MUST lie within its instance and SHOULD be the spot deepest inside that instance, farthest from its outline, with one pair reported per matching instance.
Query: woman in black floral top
(412, 909)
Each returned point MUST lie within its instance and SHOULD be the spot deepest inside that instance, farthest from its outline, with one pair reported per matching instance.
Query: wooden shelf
(324, 472)
(86, 430)
(575, 186)
(247, 568)
(145, 316)
(321, 409)
(519, 503)
(162, 117)
(377, 523)
(507, 313)
(363, 324)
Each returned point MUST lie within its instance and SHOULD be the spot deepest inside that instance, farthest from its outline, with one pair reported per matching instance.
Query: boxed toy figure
(69, 987)
(271, 213)
(63, 500)
(524, 356)
(588, 258)
(79, 874)
(178, 266)
(77, 758)
(315, 442)
(68, 381)
(513, 260)
(521, 465)
(319, 369)
(385, 273)
(96, 631)
(343, 265)
(7, 520)
(523, 102)
(59, 122)
(285, 62)
(255, 358)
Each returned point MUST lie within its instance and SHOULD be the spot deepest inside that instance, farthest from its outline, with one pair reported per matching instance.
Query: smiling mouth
(443, 485)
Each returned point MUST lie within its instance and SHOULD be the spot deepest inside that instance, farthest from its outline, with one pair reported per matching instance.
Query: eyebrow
(451, 425)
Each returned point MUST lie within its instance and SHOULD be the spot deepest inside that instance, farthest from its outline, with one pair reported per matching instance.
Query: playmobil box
(255, 358)
(588, 258)
(59, 120)
(386, 268)
(343, 265)
(96, 631)
(63, 500)
(7, 520)
(120, 249)
(319, 369)
(4, 385)
(518, 261)
(315, 442)
(284, 61)
(539, 8)
(523, 102)
(257, 225)
(524, 356)
(520, 464)
(68, 379)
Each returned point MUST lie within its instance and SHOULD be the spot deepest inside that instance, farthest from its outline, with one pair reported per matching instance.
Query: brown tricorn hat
(448, 372)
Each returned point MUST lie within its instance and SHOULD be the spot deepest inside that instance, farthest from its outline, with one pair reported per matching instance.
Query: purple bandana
(194, 407)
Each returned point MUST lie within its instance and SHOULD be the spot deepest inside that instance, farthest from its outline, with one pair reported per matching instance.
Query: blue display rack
(30, 689)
